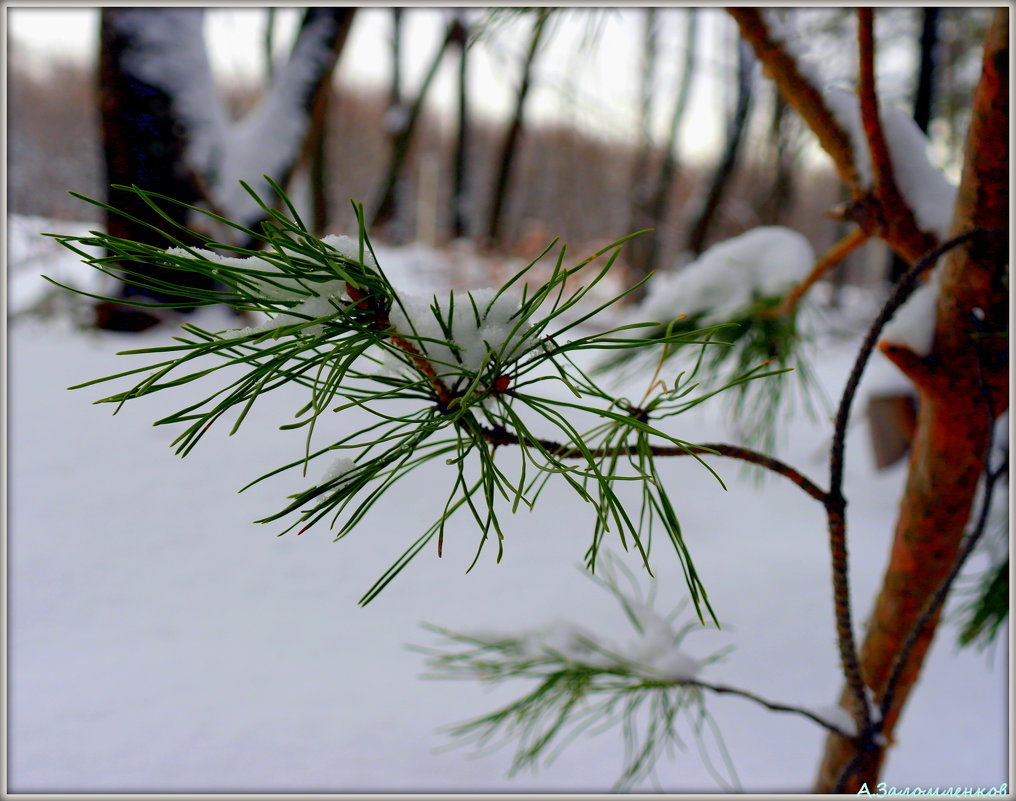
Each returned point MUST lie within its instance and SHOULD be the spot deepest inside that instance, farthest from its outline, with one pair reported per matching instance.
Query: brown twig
(883, 181)
(828, 260)
(880, 214)
(805, 99)
(442, 393)
(836, 505)
(500, 437)
(722, 689)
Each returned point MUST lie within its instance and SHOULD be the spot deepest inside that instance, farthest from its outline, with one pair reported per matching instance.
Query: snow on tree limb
(164, 49)
(834, 117)
(268, 140)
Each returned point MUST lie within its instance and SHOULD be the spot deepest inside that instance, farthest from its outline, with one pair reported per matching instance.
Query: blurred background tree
(566, 179)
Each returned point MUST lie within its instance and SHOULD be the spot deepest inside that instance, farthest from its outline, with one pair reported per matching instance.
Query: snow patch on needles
(467, 326)
(266, 281)
(728, 277)
(343, 466)
(652, 654)
(350, 248)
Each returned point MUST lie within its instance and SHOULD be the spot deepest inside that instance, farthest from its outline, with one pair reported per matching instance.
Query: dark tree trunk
(387, 205)
(318, 144)
(924, 98)
(778, 200)
(395, 86)
(268, 44)
(150, 120)
(143, 146)
(706, 216)
(512, 138)
(460, 182)
(639, 215)
(644, 252)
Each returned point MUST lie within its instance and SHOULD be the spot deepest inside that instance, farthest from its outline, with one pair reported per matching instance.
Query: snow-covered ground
(161, 642)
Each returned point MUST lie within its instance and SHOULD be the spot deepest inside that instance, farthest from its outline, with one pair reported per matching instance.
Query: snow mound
(726, 279)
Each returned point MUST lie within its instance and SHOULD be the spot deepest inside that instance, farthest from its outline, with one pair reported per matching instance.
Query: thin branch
(723, 689)
(442, 393)
(825, 263)
(882, 212)
(804, 98)
(836, 503)
(730, 451)
(881, 164)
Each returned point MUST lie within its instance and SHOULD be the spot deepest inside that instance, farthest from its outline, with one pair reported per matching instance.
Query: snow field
(158, 641)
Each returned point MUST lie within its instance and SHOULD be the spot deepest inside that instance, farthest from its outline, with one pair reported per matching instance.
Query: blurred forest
(565, 182)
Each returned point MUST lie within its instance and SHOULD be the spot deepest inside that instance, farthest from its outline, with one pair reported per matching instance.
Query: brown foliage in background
(568, 183)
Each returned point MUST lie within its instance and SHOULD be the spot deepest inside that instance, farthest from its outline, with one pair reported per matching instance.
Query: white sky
(596, 86)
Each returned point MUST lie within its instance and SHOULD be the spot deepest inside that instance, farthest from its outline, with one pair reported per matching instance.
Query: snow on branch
(164, 49)
(910, 205)
(268, 140)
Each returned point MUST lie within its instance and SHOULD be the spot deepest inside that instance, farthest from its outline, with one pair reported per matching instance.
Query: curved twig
(837, 253)
(723, 689)
(836, 503)
(883, 181)
(715, 449)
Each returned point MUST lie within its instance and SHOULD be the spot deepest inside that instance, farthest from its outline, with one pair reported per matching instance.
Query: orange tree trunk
(969, 360)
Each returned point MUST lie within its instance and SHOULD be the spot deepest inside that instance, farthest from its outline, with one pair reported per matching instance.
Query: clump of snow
(563, 640)
(838, 717)
(926, 189)
(653, 650)
(330, 298)
(651, 654)
(726, 279)
(478, 322)
(913, 325)
(928, 192)
(342, 466)
(350, 248)
(844, 720)
(318, 299)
